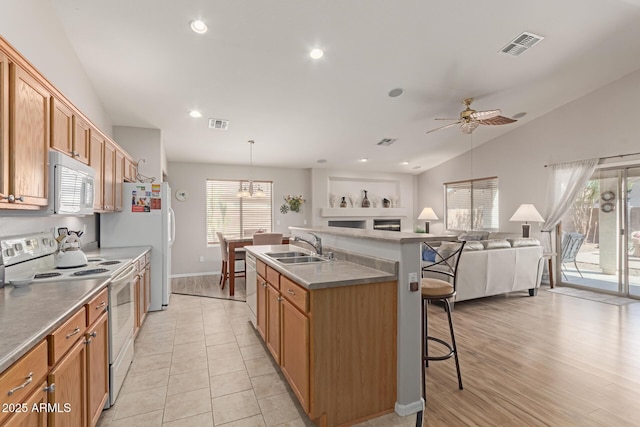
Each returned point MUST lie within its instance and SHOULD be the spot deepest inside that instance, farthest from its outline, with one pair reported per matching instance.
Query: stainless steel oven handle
(131, 269)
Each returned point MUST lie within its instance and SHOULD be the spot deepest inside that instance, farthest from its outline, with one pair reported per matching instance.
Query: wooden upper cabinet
(119, 179)
(4, 126)
(108, 174)
(96, 154)
(29, 102)
(130, 170)
(81, 139)
(61, 127)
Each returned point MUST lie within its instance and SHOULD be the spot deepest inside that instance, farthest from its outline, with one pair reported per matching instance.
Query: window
(472, 205)
(230, 214)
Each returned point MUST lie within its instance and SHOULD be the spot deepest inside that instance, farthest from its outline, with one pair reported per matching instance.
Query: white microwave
(71, 185)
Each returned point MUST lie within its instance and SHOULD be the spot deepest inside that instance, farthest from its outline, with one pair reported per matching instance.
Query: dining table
(234, 242)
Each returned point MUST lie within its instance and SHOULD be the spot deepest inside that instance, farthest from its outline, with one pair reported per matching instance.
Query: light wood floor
(549, 360)
(207, 286)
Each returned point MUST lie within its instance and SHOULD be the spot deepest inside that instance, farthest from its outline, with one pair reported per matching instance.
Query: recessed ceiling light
(417, 167)
(322, 160)
(195, 114)
(316, 53)
(198, 26)
(405, 163)
(364, 159)
(396, 92)
(519, 115)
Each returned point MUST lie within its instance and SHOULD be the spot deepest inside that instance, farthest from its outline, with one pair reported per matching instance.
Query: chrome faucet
(317, 245)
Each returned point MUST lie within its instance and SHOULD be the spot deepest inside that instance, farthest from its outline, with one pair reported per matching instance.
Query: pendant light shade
(248, 190)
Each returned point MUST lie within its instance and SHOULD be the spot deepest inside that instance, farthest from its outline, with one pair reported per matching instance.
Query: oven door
(121, 311)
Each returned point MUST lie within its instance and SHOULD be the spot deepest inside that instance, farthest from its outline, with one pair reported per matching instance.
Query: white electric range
(30, 260)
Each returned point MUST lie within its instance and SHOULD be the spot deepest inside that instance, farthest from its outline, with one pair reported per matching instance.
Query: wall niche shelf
(362, 212)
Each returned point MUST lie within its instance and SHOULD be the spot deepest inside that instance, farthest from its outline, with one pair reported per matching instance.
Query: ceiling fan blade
(498, 120)
(447, 119)
(483, 115)
(444, 127)
(468, 127)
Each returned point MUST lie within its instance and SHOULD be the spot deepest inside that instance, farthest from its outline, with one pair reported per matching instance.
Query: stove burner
(89, 272)
(71, 266)
(46, 275)
(109, 263)
(95, 259)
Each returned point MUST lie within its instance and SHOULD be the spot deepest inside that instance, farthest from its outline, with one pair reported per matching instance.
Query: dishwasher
(251, 281)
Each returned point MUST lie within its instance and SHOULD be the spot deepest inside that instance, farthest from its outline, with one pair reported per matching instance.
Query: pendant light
(248, 191)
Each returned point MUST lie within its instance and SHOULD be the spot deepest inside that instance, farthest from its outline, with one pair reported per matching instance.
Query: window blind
(472, 205)
(230, 214)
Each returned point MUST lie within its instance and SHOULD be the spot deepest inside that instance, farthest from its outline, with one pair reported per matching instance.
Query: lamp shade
(427, 213)
(527, 212)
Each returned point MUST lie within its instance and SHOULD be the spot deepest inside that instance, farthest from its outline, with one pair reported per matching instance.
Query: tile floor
(201, 363)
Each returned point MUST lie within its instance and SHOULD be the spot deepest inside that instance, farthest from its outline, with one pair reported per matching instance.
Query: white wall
(191, 236)
(602, 123)
(359, 181)
(32, 27)
(142, 143)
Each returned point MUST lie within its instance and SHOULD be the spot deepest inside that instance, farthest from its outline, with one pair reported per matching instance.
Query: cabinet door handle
(75, 332)
(50, 389)
(264, 284)
(87, 341)
(94, 334)
(29, 378)
(279, 299)
(290, 292)
(11, 198)
(102, 304)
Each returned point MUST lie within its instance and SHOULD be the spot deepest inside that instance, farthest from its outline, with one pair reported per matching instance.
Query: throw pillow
(428, 254)
(496, 244)
(473, 246)
(446, 249)
(524, 241)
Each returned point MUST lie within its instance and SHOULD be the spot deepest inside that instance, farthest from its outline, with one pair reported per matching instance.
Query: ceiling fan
(470, 119)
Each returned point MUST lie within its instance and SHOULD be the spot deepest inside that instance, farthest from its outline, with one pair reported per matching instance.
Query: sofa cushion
(474, 246)
(496, 244)
(446, 249)
(474, 235)
(523, 241)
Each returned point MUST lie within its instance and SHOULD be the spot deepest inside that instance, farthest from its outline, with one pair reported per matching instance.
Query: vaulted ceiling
(253, 68)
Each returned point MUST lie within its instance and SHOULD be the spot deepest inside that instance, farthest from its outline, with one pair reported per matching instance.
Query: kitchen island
(331, 327)
(403, 248)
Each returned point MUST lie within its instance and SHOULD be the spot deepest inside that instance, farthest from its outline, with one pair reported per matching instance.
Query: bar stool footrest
(443, 343)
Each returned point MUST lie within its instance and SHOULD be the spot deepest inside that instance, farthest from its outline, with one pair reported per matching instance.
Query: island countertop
(325, 274)
(390, 236)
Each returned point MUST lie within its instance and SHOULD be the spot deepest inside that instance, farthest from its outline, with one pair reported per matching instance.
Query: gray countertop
(390, 236)
(29, 314)
(321, 275)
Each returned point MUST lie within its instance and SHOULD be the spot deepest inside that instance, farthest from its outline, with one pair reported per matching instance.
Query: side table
(549, 257)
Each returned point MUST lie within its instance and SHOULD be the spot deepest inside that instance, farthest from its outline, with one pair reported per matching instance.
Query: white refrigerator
(146, 220)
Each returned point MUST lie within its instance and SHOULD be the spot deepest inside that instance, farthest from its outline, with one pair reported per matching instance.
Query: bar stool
(447, 259)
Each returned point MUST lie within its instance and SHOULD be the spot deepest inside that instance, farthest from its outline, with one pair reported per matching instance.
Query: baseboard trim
(202, 273)
(411, 408)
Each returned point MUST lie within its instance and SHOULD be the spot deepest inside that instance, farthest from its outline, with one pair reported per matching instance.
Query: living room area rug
(593, 296)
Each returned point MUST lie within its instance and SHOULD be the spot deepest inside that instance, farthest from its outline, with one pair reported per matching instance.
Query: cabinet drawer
(273, 277)
(295, 293)
(141, 264)
(261, 268)
(66, 335)
(30, 371)
(97, 306)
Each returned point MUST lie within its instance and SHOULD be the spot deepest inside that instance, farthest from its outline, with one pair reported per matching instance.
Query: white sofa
(485, 272)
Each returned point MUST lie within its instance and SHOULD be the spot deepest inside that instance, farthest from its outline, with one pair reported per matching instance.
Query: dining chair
(224, 252)
(267, 239)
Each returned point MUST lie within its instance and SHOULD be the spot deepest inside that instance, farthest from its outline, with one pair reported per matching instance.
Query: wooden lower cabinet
(335, 346)
(35, 413)
(295, 351)
(69, 377)
(273, 322)
(136, 306)
(147, 287)
(97, 341)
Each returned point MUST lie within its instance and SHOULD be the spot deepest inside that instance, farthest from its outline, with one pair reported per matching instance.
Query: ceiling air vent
(220, 124)
(521, 43)
(387, 142)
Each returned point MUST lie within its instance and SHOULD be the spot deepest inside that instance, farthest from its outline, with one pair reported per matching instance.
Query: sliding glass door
(598, 247)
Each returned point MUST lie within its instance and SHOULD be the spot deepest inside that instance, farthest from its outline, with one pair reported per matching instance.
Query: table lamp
(427, 213)
(527, 212)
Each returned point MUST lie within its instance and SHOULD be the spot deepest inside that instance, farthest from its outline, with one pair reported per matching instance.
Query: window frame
(494, 217)
(232, 186)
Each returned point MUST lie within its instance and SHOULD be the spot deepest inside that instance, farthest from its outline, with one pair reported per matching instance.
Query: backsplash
(21, 224)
